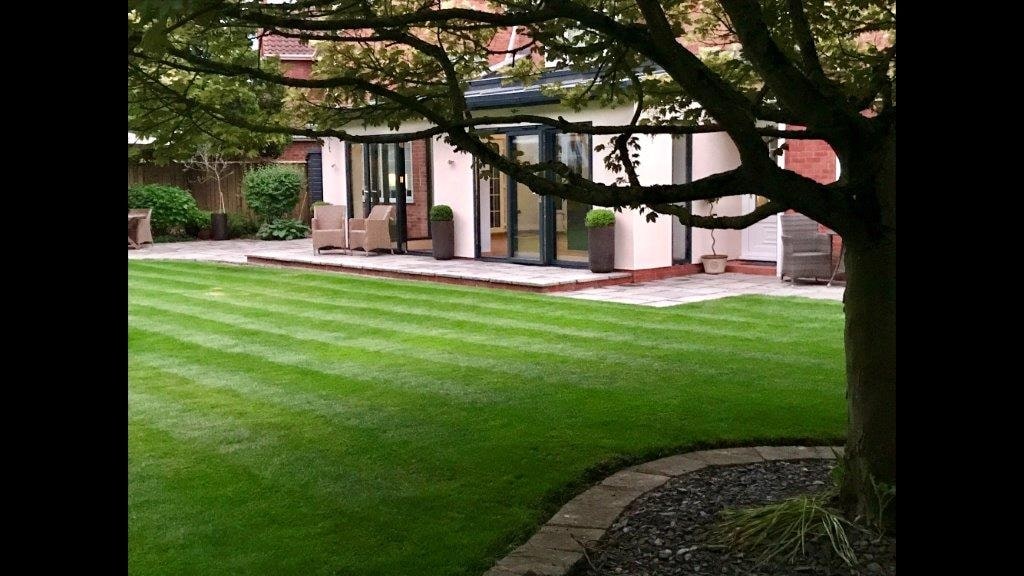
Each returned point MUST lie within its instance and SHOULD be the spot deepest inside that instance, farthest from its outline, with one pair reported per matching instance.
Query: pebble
(667, 527)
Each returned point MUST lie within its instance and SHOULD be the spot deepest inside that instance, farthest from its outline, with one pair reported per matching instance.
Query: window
(381, 159)
(495, 184)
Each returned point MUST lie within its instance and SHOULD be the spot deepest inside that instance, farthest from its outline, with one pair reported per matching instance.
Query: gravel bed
(664, 531)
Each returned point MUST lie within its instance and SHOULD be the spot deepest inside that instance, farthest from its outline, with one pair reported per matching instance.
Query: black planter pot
(601, 248)
(219, 224)
(442, 235)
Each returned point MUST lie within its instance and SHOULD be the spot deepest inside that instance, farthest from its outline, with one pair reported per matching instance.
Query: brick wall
(816, 160)
(296, 151)
(301, 69)
(812, 158)
(417, 212)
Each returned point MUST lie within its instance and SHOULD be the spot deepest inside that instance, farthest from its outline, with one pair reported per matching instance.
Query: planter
(714, 263)
(219, 225)
(442, 234)
(601, 248)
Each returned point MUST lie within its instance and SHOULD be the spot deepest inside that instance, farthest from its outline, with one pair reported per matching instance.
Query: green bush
(318, 203)
(200, 221)
(272, 191)
(441, 213)
(174, 209)
(600, 217)
(240, 225)
(282, 229)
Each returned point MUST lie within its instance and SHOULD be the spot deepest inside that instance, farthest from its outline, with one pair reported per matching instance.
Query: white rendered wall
(335, 178)
(452, 176)
(714, 153)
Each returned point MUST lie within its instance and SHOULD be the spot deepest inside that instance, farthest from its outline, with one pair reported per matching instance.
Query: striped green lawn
(286, 422)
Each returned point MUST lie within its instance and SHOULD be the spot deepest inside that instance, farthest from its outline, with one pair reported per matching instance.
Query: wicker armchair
(145, 232)
(374, 231)
(328, 227)
(806, 253)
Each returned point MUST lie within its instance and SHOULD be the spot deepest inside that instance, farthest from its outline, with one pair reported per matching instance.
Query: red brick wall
(297, 68)
(816, 160)
(812, 158)
(416, 213)
(296, 151)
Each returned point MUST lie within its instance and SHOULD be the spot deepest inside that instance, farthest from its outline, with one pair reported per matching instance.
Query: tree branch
(805, 41)
(687, 218)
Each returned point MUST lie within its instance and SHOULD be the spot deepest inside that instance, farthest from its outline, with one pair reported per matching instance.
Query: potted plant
(601, 239)
(214, 166)
(713, 263)
(442, 231)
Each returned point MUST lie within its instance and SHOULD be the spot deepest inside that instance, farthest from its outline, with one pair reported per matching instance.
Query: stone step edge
(558, 547)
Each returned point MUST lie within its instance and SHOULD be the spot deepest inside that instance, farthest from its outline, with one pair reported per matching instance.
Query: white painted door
(759, 240)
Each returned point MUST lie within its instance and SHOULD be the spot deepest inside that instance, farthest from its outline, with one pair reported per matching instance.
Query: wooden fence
(205, 190)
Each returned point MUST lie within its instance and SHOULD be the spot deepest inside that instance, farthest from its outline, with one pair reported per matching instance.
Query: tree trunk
(870, 303)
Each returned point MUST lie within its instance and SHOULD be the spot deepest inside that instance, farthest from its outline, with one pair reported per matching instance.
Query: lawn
(284, 422)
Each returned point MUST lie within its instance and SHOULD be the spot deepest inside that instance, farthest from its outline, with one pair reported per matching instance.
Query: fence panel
(204, 190)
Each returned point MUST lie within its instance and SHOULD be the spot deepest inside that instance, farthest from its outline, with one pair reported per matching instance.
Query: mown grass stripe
(655, 354)
(386, 313)
(316, 285)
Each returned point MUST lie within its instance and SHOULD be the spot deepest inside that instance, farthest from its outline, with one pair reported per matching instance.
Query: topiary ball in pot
(601, 239)
(442, 232)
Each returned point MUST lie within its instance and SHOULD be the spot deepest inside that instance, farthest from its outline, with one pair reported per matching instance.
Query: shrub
(241, 225)
(441, 213)
(318, 203)
(282, 229)
(174, 209)
(200, 221)
(272, 191)
(600, 217)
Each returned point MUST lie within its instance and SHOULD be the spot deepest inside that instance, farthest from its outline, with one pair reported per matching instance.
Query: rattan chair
(374, 231)
(145, 232)
(806, 252)
(328, 227)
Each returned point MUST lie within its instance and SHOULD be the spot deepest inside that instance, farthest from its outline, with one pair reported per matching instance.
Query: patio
(569, 282)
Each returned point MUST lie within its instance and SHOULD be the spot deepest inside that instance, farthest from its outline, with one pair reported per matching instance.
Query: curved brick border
(555, 549)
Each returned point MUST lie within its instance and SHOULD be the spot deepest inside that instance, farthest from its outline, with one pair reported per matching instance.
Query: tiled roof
(271, 45)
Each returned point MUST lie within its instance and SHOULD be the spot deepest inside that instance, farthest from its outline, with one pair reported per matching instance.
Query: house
(499, 219)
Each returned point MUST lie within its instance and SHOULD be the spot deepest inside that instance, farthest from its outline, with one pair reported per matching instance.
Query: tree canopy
(166, 97)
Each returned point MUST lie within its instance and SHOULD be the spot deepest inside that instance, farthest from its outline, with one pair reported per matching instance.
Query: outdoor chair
(806, 252)
(374, 231)
(328, 227)
(145, 232)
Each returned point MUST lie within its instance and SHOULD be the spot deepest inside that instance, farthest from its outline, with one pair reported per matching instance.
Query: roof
(497, 92)
(286, 48)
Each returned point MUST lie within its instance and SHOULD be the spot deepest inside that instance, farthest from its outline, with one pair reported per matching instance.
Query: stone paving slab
(564, 538)
(672, 466)
(700, 287)
(555, 549)
(656, 294)
(728, 456)
(794, 452)
(634, 480)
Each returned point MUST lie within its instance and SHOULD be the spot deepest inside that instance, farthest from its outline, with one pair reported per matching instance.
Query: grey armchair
(806, 253)
(374, 231)
(328, 227)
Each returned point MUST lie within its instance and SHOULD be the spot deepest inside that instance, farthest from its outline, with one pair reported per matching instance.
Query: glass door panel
(573, 150)
(494, 203)
(525, 240)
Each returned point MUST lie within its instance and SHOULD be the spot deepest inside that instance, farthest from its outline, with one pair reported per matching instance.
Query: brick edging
(556, 548)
